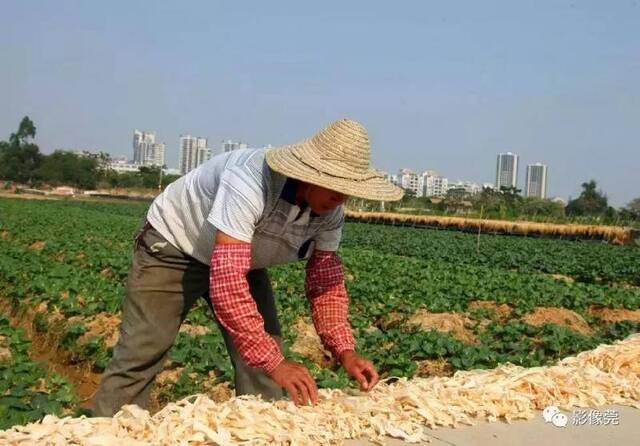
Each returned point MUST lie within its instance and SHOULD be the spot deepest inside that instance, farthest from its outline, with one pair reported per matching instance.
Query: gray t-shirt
(237, 193)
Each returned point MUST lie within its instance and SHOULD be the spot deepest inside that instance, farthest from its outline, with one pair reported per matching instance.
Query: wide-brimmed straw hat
(336, 158)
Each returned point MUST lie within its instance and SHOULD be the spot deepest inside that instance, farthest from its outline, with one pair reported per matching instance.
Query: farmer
(213, 233)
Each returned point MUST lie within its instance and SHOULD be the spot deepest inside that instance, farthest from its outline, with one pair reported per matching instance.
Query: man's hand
(297, 381)
(359, 368)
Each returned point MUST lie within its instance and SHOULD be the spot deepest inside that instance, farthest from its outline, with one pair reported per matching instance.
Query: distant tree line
(21, 161)
(509, 204)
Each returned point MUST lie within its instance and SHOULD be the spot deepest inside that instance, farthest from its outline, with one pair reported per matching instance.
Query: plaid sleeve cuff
(329, 301)
(343, 348)
(347, 343)
(273, 362)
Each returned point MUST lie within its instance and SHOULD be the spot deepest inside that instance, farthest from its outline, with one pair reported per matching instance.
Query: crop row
(98, 243)
(67, 262)
(585, 261)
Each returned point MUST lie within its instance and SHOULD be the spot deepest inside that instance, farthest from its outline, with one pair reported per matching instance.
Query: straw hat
(336, 158)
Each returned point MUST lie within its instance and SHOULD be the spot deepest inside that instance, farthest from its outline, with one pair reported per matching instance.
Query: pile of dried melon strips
(610, 374)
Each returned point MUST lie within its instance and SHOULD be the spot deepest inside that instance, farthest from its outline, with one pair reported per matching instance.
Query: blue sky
(439, 85)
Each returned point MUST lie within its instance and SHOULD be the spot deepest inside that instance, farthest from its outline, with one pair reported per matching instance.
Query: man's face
(319, 199)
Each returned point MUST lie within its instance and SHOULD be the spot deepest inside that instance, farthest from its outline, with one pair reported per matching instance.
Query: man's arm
(325, 289)
(327, 294)
(235, 308)
(238, 314)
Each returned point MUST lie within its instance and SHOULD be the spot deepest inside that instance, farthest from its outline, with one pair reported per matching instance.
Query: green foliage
(26, 131)
(590, 201)
(585, 261)
(619, 330)
(82, 266)
(72, 333)
(202, 353)
(21, 161)
(561, 341)
(508, 204)
(145, 178)
(67, 168)
(27, 392)
(633, 208)
(333, 379)
(536, 208)
(19, 158)
(184, 386)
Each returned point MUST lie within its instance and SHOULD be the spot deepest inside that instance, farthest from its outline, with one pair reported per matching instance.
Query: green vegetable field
(423, 302)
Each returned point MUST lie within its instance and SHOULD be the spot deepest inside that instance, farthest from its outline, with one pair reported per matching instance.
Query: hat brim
(284, 161)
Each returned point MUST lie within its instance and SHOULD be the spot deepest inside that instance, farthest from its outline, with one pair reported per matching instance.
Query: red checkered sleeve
(235, 308)
(327, 294)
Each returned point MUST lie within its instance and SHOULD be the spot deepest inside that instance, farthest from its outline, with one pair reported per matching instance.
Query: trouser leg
(249, 380)
(162, 285)
(156, 301)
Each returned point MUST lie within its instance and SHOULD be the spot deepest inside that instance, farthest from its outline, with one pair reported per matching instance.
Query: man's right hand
(297, 381)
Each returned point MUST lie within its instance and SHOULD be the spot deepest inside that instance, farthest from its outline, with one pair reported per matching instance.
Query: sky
(443, 85)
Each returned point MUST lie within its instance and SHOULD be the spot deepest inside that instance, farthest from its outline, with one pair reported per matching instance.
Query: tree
(503, 203)
(590, 202)
(19, 158)
(408, 194)
(634, 207)
(26, 130)
(150, 175)
(456, 194)
(511, 196)
(67, 168)
(538, 207)
(489, 201)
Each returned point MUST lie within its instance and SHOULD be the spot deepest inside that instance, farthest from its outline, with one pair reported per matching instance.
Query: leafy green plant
(27, 391)
(74, 256)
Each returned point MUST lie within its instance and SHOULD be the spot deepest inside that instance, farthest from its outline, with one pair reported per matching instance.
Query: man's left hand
(359, 368)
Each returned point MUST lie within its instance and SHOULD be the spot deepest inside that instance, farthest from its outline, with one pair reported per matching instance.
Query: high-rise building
(228, 146)
(432, 184)
(537, 180)
(193, 152)
(156, 156)
(142, 146)
(203, 153)
(408, 180)
(146, 152)
(507, 170)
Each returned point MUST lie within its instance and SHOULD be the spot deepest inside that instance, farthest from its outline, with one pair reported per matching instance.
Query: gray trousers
(162, 286)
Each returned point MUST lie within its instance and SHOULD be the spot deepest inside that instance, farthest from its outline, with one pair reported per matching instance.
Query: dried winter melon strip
(607, 375)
